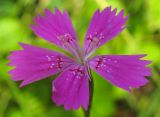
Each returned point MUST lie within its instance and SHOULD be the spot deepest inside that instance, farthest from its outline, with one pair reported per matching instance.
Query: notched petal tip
(141, 55)
(85, 107)
(22, 85)
(139, 86)
(22, 44)
(126, 18)
(109, 8)
(10, 56)
(114, 11)
(146, 62)
(121, 13)
(57, 11)
(47, 12)
(10, 72)
(32, 26)
(97, 11)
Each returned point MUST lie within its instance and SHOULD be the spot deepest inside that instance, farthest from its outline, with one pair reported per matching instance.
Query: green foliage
(141, 36)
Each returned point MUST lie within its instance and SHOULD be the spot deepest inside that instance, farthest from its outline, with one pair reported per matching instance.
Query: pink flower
(71, 87)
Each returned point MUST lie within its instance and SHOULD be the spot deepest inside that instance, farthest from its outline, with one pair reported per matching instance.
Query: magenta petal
(124, 71)
(71, 88)
(34, 63)
(104, 26)
(56, 28)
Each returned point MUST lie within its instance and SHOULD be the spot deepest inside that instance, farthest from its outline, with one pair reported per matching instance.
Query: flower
(71, 87)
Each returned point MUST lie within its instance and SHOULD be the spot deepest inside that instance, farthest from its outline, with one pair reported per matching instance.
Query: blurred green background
(141, 36)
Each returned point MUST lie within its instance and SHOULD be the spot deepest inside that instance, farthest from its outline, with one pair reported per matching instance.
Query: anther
(48, 58)
(66, 38)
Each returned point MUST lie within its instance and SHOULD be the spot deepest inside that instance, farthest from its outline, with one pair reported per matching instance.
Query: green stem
(91, 87)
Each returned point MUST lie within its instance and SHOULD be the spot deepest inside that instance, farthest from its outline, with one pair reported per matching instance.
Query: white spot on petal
(48, 58)
(115, 61)
(109, 59)
(53, 88)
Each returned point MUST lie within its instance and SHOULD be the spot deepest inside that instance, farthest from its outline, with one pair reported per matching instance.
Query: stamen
(59, 62)
(99, 62)
(65, 39)
(78, 73)
(56, 62)
(93, 42)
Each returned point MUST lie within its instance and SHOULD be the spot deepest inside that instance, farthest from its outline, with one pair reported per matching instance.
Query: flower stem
(91, 88)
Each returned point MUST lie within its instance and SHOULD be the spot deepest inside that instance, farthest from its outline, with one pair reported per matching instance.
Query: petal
(56, 28)
(34, 63)
(104, 26)
(124, 71)
(71, 88)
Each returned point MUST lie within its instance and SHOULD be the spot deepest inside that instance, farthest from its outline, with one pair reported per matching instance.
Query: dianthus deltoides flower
(71, 87)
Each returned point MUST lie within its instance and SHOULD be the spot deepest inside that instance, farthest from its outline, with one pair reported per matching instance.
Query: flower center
(70, 43)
